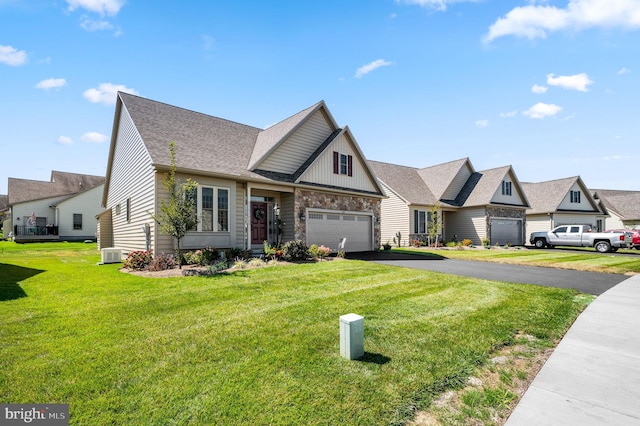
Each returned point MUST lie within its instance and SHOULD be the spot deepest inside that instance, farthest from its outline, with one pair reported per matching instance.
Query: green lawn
(253, 347)
(582, 260)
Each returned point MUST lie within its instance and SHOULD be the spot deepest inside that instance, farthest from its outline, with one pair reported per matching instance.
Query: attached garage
(329, 228)
(505, 231)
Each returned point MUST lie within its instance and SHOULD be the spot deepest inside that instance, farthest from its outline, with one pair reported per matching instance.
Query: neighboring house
(303, 178)
(474, 205)
(62, 209)
(561, 202)
(623, 207)
(4, 210)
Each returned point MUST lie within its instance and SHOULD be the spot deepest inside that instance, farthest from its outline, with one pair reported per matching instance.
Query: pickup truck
(581, 236)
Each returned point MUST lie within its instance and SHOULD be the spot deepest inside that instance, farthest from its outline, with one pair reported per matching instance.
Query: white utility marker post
(352, 336)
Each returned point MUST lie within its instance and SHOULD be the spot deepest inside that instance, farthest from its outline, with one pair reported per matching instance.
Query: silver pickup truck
(581, 236)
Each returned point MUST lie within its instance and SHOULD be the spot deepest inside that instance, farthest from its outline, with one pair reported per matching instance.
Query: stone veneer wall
(322, 200)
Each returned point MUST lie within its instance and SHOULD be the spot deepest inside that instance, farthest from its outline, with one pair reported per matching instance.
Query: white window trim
(215, 207)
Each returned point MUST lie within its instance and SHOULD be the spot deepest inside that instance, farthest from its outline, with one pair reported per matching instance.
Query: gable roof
(203, 142)
(211, 145)
(482, 186)
(4, 202)
(405, 181)
(546, 197)
(270, 138)
(440, 176)
(62, 183)
(626, 204)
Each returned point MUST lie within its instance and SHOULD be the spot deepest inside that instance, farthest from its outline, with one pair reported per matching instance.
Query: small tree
(434, 225)
(177, 216)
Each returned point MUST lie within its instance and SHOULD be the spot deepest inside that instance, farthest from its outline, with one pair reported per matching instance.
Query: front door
(258, 223)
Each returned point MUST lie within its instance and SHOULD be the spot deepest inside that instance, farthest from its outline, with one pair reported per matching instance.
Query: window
(77, 221)
(575, 196)
(213, 207)
(506, 188)
(128, 209)
(419, 222)
(342, 164)
(118, 209)
(575, 229)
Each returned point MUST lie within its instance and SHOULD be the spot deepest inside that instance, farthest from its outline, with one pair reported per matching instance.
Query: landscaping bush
(162, 262)
(204, 257)
(467, 242)
(138, 260)
(295, 250)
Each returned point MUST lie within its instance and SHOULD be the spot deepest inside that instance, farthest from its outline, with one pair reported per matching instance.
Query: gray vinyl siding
(241, 216)
(88, 205)
(584, 203)
(321, 171)
(287, 213)
(132, 177)
(41, 208)
(574, 219)
(537, 223)
(457, 183)
(394, 216)
(468, 223)
(292, 153)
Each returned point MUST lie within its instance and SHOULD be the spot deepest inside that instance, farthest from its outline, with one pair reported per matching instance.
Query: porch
(35, 233)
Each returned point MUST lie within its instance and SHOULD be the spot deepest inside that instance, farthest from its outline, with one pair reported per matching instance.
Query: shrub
(162, 262)
(204, 257)
(218, 266)
(295, 250)
(256, 262)
(467, 242)
(313, 250)
(269, 250)
(138, 260)
(323, 252)
(486, 242)
(451, 244)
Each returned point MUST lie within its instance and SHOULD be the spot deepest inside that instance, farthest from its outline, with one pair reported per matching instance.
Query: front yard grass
(253, 347)
(581, 260)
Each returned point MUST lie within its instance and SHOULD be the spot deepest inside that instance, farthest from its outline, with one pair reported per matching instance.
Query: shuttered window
(342, 164)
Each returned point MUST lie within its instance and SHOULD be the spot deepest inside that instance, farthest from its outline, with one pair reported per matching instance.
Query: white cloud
(366, 69)
(435, 4)
(103, 7)
(482, 123)
(576, 82)
(539, 89)
(624, 70)
(91, 25)
(509, 114)
(51, 83)
(106, 93)
(12, 56)
(64, 140)
(536, 21)
(93, 137)
(542, 110)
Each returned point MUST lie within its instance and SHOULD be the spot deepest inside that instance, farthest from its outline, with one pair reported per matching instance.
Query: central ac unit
(111, 255)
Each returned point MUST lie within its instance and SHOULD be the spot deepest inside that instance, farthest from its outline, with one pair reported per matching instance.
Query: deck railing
(35, 230)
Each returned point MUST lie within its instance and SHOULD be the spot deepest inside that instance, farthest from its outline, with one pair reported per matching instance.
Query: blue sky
(550, 87)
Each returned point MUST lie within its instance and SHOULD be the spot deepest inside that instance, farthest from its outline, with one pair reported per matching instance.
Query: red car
(635, 236)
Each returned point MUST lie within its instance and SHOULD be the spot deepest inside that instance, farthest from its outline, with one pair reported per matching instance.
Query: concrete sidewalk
(593, 376)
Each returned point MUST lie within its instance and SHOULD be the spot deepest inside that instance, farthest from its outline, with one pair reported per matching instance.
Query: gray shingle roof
(624, 203)
(62, 183)
(546, 197)
(487, 184)
(440, 176)
(405, 181)
(203, 142)
(269, 138)
(4, 202)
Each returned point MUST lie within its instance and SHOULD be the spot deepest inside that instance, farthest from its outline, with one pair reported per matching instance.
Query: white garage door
(329, 229)
(505, 231)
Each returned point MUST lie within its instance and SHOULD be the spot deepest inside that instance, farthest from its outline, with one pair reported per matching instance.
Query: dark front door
(258, 223)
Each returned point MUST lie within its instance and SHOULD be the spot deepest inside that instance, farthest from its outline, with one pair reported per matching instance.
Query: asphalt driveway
(586, 282)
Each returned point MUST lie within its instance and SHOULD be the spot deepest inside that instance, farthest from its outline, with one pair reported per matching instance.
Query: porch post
(247, 221)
